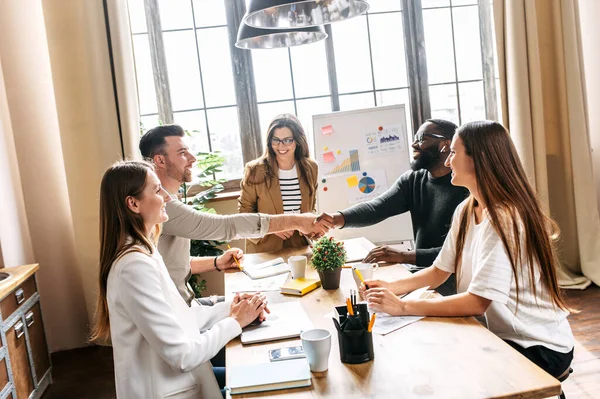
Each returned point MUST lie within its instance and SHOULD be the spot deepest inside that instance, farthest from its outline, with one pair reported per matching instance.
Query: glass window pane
(472, 102)
(182, 65)
(148, 122)
(352, 59)
(272, 74)
(463, 2)
(137, 16)
(144, 74)
(387, 47)
(443, 102)
(306, 110)
(268, 111)
(309, 66)
(467, 42)
(217, 75)
(194, 122)
(434, 3)
(356, 101)
(391, 97)
(209, 12)
(224, 128)
(438, 45)
(384, 5)
(175, 14)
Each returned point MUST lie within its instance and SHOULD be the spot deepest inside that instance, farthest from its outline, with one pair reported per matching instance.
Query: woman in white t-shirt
(500, 246)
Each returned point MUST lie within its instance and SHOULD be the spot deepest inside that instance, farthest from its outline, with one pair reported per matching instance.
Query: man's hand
(226, 262)
(284, 235)
(310, 227)
(384, 300)
(383, 253)
(333, 219)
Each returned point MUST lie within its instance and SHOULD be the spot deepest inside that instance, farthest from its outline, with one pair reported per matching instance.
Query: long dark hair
(120, 229)
(269, 158)
(513, 208)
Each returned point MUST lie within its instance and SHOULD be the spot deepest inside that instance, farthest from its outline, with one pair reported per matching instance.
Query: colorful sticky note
(328, 157)
(352, 181)
(327, 129)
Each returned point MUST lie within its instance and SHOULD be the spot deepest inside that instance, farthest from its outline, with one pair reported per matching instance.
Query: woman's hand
(384, 300)
(248, 309)
(226, 262)
(284, 235)
(373, 284)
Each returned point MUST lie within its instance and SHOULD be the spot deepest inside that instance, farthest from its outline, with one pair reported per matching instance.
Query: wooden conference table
(432, 358)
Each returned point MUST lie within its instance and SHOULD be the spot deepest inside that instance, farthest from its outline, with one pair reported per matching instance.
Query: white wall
(589, 14)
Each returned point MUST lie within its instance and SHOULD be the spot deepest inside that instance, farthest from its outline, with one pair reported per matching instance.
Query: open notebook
(357, 249)
(268, 376)
(266, 269)
(286, 320)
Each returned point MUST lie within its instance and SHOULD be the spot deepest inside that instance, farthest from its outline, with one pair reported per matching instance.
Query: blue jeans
(220, 375)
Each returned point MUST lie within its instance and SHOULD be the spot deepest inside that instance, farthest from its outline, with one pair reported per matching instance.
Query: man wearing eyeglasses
(425, 191)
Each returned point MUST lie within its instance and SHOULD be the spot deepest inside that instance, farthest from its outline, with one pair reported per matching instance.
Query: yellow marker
(372, 322)
(235, 259)
(360, 277)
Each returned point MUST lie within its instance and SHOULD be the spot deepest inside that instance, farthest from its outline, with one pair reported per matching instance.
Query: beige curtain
(60, 131)
(544, 107)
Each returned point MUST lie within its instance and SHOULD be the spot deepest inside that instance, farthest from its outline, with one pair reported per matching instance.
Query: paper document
(385, 324)
(357, 249)
(260, 285)
(266, 269)
(286, 320)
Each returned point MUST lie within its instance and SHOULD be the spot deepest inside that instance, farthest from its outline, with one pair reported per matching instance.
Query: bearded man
(425, 191)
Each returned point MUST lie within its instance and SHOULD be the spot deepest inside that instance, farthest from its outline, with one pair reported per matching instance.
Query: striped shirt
(290, 190)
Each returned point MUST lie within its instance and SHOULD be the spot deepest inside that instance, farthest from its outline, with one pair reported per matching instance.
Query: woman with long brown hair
(159, 350)
(282, 180)
(501, 247)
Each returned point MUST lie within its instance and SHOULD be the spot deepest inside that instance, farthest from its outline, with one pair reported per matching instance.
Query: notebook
(266, 269)
(300, 286)
(286, 320)
(268, 376)
(357, 249)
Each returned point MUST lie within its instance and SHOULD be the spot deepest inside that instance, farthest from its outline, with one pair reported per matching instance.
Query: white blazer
(159, 349)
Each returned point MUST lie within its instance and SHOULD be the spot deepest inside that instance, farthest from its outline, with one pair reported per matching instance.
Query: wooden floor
(88, 372)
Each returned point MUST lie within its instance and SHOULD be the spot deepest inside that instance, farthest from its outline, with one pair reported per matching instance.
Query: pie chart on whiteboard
(366, 185)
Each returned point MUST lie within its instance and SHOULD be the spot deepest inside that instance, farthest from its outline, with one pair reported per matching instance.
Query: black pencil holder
(355, 342)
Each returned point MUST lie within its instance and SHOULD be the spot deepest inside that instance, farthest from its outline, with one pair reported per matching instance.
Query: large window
(435, 56)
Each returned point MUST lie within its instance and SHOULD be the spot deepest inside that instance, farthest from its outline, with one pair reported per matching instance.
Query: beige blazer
(266, 198)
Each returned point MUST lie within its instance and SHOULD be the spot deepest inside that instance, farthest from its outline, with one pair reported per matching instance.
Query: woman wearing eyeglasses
(282, 180)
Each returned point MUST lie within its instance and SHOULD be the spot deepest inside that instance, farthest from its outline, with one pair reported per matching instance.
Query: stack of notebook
(269, 376)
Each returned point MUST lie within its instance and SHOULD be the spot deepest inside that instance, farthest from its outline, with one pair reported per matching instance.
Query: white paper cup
(317, 345)
(366, 270)
(297, 266)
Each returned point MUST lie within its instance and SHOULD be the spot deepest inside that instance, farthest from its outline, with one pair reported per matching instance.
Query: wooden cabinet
(24, 359)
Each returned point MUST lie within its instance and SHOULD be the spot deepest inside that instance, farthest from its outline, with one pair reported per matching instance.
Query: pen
(362, 280)
(372, 322)
(235, 259)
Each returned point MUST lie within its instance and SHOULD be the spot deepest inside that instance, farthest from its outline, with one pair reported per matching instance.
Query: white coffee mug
(366, 271)
(297, 266)
(317, 345)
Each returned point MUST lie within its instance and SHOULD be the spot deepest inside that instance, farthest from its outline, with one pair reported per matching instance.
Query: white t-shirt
(290, 190)
(486, 271)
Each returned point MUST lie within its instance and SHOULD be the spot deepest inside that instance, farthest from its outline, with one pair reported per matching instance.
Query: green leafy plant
(208, 164)
(328, 254)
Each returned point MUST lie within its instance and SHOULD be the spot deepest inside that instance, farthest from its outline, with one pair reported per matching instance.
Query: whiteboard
(360, 154)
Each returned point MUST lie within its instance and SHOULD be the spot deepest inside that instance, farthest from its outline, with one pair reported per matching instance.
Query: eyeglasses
(286, 141)
(419, 137)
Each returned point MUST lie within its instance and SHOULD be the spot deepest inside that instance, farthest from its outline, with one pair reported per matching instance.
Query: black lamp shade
(250, 38)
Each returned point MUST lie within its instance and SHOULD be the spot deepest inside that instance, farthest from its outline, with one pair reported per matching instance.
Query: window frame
(243, 74)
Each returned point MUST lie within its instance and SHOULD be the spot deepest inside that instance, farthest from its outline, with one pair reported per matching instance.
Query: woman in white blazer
(161, 346)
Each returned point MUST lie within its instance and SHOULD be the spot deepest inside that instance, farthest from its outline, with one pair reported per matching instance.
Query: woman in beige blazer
(282, 180)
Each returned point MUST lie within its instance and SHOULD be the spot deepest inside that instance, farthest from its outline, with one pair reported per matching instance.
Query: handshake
(311, 225)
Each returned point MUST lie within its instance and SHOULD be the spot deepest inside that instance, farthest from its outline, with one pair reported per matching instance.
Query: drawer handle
(20, 296)
(19, 331)
(29, 318)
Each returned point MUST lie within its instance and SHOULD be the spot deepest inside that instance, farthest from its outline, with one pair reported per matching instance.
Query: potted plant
(328, 257)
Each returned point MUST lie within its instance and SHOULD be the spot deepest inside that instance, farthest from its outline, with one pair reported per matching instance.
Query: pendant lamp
(250, 38)
(278, 14)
